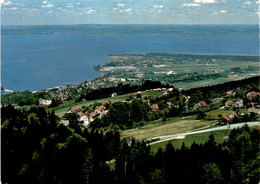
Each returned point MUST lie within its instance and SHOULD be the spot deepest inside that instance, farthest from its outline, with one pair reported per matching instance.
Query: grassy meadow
(220, 136)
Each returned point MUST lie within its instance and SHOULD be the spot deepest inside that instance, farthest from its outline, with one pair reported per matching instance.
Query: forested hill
(35, 149)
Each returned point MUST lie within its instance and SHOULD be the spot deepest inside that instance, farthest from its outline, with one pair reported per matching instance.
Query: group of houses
(237, 103)
(230, 117)
(200, 104)
(155, 107)
(252, 94)
(85, 117)
(161, 89)
(252, 97)
(254, 110)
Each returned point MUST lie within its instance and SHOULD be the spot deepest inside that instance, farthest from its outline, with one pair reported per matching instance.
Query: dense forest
(207, 92)
(122, 89)
(36, 149)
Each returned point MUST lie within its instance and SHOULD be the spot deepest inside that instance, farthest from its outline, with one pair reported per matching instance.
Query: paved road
(182, 135)
(186, 98)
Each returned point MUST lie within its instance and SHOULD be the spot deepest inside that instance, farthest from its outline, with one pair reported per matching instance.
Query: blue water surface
(41, 61)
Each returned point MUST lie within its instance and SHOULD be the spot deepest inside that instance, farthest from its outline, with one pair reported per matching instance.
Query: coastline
(121, 57)
(76, 50)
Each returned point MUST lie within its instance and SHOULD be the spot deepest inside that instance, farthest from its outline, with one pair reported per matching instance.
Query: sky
(64, 12)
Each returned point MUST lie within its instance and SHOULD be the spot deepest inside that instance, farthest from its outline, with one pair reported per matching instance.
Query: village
(86, 117)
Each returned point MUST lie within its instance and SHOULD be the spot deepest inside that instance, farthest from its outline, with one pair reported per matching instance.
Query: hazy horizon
(159, 12)
(127, 24)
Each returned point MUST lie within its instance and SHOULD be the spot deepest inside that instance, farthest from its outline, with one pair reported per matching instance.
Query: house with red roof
(133, 95)
(85, 113)
(86, 119)
(95, 113)
(229, 103)
(105, 103)
(252, 94)
(230, 92)
(230, 117)
(101, 108)
(155, 107)
(75, 110)
(204, 104)
(253, 110)
(200, 104)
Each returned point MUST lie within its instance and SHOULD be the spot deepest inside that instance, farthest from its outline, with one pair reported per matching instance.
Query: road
(182, 135)
(186, 99)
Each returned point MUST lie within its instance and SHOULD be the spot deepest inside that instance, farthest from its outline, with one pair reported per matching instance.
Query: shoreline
(115, 57)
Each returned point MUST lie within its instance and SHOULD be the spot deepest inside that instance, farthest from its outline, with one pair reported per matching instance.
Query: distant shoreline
(145, 29)
(92, 43)
(6, 25)
(122, 56)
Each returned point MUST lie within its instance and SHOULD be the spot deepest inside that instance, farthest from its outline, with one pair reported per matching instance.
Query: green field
(159, 73)
(220, 136)
(171, 126)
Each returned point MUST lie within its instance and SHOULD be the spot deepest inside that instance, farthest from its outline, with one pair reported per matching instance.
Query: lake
(41, 57)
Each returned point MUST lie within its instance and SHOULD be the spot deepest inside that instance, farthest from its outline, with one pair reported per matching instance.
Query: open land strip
(188, 138)
(173, 126)
(182, 135)
(183, 71)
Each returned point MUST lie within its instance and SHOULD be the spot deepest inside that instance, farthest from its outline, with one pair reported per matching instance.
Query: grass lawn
(220, 136)
(224, 112)
(171, 126)
(151, 94)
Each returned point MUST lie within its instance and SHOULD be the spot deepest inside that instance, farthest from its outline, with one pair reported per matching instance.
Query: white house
(86, 120)
(238, 103)
(45, 102)
(114, 95)
(103, 113)
(171, 73)
(65, 122)
(48, 101)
